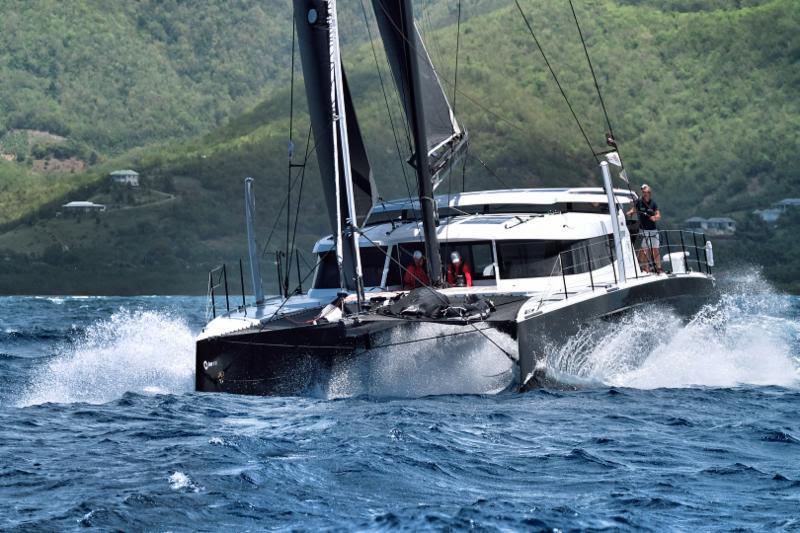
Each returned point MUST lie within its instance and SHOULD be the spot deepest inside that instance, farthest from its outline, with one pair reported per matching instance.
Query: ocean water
(676, 426)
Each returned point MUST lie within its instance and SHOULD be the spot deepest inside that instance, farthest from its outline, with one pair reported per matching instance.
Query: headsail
(319, 50)
(446, 142)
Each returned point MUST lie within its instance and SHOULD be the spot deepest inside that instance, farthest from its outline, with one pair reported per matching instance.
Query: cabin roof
(550, 226)
(789, 201)
(82, 203)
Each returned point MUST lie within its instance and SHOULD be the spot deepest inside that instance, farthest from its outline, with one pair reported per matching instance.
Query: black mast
(426, 201)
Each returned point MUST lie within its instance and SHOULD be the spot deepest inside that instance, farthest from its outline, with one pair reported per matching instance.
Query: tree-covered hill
(123, 74)
(702, 98)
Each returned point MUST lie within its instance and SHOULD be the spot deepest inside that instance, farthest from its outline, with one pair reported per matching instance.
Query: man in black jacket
(648, 242)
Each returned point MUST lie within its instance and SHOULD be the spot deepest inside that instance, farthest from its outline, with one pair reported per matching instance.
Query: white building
(125, 177)
(83, 207)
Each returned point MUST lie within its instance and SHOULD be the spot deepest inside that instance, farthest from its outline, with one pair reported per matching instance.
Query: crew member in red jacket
(458, 272)
(416, 273)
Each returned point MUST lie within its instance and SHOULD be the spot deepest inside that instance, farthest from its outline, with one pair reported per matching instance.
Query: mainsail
(340, 150)
(445, 141)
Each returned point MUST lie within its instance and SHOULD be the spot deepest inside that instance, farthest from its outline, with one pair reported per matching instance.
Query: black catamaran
(543, 262)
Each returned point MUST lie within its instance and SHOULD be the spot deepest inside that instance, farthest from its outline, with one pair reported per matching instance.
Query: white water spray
(747, 338)
(133, 351)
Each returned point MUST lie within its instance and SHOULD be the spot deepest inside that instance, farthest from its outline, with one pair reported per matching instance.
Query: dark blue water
(697, 426)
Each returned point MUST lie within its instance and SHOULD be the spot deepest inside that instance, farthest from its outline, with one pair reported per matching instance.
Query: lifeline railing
(684, 247)
(218, 279)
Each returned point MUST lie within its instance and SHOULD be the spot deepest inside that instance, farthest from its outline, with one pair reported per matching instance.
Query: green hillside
(702, 97)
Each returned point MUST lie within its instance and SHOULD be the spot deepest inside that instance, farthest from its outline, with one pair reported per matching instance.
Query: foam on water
(746, 338)
(132, 351)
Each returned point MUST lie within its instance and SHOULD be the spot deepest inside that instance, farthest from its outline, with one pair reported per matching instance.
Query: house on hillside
(717, 226)
(774, 212)
(695, 224)
(125, 177)
(83, 206)
(721, 226)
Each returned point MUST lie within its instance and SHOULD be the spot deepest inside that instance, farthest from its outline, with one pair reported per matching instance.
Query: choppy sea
(677, 426)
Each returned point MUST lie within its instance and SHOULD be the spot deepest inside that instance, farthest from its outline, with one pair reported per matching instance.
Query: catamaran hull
(299, 360)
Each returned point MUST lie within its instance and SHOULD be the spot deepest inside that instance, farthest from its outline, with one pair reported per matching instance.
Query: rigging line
(440, 296)
(472, 99)
(283, 206)
(599, 93)
(458, 43)
(292, 249)
(591, 69)
(555, 78)
(299, 284)
(491, 172)
(386, 101)
(290, 149)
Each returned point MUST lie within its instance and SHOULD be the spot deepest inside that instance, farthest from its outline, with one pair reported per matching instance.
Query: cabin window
(478, 255)
(327, 272)
(529, 259)
(533, 259)
(402, 254)
(373, 260)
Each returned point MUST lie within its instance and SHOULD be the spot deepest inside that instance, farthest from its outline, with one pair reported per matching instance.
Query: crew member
(416, 273)
(458, 272)
(648, 243)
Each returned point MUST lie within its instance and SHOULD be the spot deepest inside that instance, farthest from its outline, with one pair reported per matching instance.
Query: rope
(286, 299)
(283, 206)
(458, 43)
(555, 78)
(599, 93)
(292, 249)
(490, 171)
(591, 69)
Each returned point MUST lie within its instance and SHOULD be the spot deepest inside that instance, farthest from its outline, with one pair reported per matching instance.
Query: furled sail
(446, 141)
(319, 50)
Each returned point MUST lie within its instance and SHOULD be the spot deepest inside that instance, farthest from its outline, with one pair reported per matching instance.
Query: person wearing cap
(648, 242)
(458, 272)
(416, 273)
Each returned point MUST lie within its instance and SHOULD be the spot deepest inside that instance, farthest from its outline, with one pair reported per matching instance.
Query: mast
(417, 116)
(339, 114)
(347, 184)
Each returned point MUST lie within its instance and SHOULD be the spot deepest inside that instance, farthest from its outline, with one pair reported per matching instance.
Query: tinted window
(402, 254)
(530, 259)
(372, 263)
(327, 271)
(477, 254)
